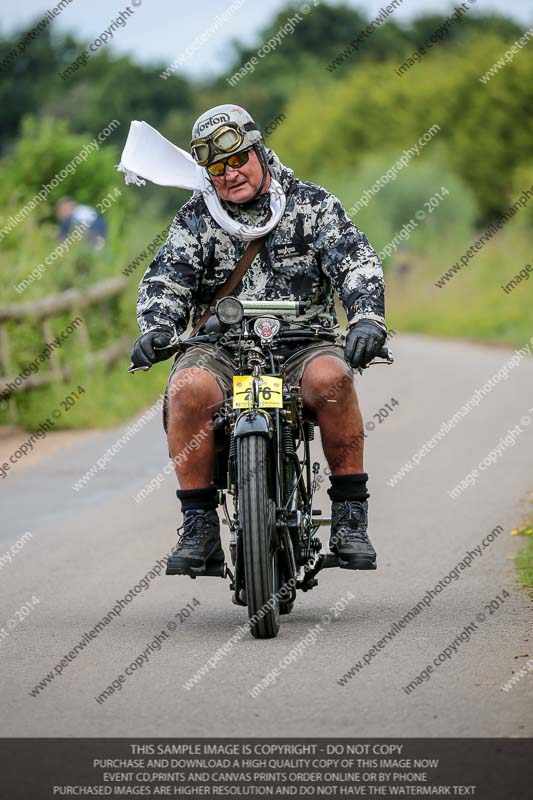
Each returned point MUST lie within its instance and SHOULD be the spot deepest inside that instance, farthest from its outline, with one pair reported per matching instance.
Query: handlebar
(299, 335)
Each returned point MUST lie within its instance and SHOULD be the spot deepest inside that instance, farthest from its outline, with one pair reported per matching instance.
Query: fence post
(83, 333)
(74, 301)
(55, 362)
(5, 360)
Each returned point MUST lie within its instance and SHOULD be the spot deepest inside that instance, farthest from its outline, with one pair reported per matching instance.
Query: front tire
(257, 518)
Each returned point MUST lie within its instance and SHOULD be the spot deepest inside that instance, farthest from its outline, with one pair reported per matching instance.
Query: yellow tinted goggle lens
(219, 167)
(201, 152)
(227, 139)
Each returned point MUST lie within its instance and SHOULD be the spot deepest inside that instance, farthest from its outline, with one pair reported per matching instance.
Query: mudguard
(253, 422)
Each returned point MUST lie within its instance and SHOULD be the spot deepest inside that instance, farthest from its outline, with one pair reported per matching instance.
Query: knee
(193, 389)
(326, 378)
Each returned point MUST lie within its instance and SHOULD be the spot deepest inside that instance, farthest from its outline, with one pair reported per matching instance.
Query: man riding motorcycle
(313, 250)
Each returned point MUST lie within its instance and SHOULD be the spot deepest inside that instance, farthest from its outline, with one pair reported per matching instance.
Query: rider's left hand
(363, 342)
(152, 347)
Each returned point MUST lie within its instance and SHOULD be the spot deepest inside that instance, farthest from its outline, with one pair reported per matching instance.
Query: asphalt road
(89, 548)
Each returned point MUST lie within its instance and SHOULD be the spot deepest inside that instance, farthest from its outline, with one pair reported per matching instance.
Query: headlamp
(229, 311)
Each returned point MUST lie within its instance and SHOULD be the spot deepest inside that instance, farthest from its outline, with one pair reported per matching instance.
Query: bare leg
(341, 424)
(342, 432)
(191, 391)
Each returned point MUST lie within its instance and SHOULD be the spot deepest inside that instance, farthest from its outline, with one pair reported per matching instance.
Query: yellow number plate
(270, 391)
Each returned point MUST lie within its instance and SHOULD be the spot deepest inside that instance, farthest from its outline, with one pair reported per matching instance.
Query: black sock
(348, 487)
(205, 499)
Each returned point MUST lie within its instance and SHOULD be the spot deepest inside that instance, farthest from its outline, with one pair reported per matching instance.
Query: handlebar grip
(174, 346)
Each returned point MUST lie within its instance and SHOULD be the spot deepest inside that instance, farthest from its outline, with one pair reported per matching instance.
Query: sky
(160, 30)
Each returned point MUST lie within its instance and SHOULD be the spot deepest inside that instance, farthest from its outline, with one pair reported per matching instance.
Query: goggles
(218, 168)
(225, 139)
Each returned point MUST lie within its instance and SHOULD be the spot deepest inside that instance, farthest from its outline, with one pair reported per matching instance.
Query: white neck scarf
(147, 154)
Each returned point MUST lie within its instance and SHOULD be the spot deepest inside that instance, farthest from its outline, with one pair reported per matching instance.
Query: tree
(106, 87)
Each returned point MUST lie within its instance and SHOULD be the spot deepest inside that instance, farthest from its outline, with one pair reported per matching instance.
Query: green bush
(485, 129)
(112, 395)
(393, 205)
(472, 305)
(44, 148)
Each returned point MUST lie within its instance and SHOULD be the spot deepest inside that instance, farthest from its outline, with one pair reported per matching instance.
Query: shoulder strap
(249, 254)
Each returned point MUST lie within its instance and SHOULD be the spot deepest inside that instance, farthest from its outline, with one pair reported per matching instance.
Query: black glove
(148, 349)
(363, 342)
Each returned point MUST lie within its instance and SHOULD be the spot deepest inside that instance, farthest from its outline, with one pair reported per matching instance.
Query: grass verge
(107, 397)
(524, 557)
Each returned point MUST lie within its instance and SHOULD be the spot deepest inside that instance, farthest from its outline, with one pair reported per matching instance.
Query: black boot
(198, 544)
(349, 540)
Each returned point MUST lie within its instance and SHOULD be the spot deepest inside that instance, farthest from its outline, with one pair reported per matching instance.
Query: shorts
(219, 363)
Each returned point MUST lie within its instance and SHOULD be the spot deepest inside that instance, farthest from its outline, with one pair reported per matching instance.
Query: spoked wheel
(257, 518)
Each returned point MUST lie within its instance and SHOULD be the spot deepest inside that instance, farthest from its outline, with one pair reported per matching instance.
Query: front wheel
(257, 512)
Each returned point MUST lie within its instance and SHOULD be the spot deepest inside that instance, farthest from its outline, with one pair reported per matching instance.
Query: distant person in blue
(72, 214)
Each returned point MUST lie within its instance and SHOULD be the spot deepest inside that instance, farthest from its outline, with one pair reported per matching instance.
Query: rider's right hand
(152, 347)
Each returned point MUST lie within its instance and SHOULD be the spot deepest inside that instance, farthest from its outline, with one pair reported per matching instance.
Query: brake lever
(175, 344)
(132, 369)
(383, 357)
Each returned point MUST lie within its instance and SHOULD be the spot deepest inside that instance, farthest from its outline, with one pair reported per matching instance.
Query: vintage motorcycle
(263, 460)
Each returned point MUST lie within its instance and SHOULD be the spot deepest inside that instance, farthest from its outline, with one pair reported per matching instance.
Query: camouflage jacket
(313, 251)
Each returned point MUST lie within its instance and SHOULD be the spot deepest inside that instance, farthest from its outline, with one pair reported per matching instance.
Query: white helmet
(223, 130)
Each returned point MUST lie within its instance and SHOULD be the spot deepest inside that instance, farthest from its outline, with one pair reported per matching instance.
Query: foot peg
(210, 569)
(330, 560)
(367, 564)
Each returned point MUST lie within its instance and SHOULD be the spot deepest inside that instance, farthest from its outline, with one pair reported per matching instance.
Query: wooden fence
(74, 300)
